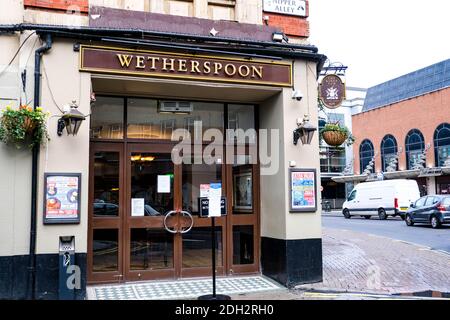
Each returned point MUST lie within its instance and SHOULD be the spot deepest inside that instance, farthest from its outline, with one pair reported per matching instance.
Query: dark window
(366, 153)
(352, 196)
(442, 145)
(415, 144)
(107, 118)
(430, 201)
(420, 203)
(388, 151)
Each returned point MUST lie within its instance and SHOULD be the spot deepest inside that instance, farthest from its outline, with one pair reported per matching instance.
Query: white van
(381, 198)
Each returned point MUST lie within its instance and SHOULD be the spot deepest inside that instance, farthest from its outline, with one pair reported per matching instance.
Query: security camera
(297, 95)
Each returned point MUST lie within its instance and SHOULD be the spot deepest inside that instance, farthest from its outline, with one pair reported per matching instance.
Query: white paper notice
(164, 184)
(137, 207)
(204, 190)
(215, 195)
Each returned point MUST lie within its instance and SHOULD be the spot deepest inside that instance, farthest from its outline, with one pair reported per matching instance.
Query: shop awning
(346, 179)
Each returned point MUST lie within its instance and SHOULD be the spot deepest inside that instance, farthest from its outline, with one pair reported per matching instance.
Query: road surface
(394, 228)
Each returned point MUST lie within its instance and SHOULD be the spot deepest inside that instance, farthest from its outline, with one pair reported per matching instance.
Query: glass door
(165, 237)
(196, 245)
(153, 192)
(105, 213)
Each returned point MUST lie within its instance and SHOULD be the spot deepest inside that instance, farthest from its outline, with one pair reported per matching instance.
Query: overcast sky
(381, 39)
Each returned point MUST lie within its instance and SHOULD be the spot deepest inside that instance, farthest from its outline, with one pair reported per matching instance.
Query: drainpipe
(34, 172)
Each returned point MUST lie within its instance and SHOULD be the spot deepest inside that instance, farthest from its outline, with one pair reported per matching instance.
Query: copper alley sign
(332, 91)
(184, 66)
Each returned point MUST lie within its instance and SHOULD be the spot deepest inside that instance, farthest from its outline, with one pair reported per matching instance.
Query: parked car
(434, 210)
(381, 198)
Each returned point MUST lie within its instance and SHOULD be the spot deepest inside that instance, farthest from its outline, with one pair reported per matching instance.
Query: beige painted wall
(282, 112)
(65, 153)
(15, 165)
(247, 11)
(11, 11)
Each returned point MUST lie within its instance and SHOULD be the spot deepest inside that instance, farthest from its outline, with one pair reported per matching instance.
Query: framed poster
(62, 193)
(242, 191)
(302, 190)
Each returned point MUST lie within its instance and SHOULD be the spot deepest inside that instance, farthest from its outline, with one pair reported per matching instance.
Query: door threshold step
(180, 289)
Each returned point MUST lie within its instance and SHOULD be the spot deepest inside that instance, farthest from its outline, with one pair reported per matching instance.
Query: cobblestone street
(359, 262)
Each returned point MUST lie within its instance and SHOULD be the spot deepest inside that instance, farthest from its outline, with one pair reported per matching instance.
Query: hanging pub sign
(62, 198)
(125, 61)
(332, 91)
(287, 7)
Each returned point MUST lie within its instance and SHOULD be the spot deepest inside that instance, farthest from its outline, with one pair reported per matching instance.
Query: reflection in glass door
(105, 224)
(152, 193)
(196, 245)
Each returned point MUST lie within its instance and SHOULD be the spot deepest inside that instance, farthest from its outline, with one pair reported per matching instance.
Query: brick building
(405, 128)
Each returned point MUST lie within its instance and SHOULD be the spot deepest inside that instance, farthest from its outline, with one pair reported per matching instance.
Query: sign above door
(158, 64)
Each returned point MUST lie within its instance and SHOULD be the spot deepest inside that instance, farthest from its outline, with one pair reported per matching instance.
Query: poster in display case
(303, 190)
(62, 193)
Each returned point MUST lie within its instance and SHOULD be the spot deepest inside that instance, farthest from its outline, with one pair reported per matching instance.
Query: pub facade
(149, 111)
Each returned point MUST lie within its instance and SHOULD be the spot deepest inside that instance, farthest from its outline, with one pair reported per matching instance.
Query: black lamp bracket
(61, 126)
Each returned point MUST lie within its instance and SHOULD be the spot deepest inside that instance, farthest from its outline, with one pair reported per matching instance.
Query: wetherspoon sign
(184, 66)
(288, 7)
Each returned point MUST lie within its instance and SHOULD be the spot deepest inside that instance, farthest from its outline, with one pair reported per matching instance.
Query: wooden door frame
(227, 223)
(146, 222)
(105, 222)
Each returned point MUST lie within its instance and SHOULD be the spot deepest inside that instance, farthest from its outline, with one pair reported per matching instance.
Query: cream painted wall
(15, 165)
(11, 11)
(273, 206)
(54, 18)
(15, 191)
(65, 153)
(282, 112)
(245, 11)
(302, 225)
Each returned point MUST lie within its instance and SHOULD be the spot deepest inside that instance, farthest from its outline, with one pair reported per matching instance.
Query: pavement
(359, 262)
(361, 266)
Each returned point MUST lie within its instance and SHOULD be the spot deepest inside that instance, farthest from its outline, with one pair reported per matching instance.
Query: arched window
(366, 153)
(442, 144)
(414, 144)
(388, 151)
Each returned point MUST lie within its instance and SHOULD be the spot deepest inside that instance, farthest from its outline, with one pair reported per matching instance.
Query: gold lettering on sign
(140, 62)
(170, 64)
(153, 59)
(182, 66)
(217, 67)
(194, 67)
(258, 71)
(244, 71)
(227, 70)
(160, 64)
(124, 59)
(207, 67)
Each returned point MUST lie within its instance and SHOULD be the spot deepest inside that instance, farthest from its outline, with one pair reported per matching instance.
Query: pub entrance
(144, 218)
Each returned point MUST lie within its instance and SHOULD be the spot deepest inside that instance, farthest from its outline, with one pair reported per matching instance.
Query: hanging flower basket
(334, 138)
(335, 135)
(23, 127)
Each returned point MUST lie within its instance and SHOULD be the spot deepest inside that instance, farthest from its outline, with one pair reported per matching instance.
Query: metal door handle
(169, 214)
(179, 229)
(188, 214)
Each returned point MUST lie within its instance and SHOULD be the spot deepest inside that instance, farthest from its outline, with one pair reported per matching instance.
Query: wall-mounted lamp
(71, 120)
(305, 131)
(279, 37)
